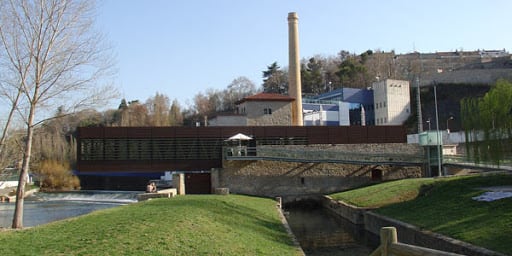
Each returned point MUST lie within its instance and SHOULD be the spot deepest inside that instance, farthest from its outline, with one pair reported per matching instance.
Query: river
(322, 233)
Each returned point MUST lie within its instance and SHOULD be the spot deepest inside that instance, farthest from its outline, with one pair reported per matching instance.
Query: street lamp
(447, 127)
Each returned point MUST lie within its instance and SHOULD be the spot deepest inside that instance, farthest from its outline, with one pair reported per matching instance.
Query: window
(267, 111)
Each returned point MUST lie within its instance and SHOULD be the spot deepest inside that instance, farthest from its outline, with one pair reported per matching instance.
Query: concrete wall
(413, 235)
(407, 233)
(349, 212)
(391, 102)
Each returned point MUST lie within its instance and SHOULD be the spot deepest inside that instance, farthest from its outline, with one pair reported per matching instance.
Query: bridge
(324, 156)
(461, 161)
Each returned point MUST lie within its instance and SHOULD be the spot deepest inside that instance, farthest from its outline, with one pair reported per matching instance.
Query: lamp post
(448, 127)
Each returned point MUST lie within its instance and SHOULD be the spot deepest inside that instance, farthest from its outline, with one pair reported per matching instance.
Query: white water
(42, 208)
(97, 196)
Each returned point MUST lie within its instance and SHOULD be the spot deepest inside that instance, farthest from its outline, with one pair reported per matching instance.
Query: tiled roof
(267, 97)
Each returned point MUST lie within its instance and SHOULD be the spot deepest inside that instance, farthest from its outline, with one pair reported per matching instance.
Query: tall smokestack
(294, 87)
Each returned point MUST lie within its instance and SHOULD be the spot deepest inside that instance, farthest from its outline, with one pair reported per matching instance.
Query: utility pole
(418, 101)
(437, 134)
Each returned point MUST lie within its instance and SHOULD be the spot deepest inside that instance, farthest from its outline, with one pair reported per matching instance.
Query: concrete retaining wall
(407, 233)
(352, 213)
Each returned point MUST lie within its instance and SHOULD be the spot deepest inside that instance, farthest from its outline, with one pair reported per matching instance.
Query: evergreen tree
(275, 80)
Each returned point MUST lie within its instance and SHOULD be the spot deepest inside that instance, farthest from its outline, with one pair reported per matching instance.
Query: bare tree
(239, 88)
(54, 58)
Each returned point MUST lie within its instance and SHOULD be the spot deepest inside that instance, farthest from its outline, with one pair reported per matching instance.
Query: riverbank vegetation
(445, 206)
(54, 175)
(184, 225)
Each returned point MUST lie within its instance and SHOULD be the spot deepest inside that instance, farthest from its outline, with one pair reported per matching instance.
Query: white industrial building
(392, 103)
(323, 113)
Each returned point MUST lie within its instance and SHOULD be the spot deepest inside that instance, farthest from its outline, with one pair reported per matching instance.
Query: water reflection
(321, 233)
(48, 207)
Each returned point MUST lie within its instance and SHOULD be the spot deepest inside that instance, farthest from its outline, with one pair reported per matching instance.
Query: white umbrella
(239, 136)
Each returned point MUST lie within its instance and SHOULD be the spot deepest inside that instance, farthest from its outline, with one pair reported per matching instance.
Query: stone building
(257, 110)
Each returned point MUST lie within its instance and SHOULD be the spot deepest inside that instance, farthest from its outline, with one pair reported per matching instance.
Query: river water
(322, 233)
(43, 208)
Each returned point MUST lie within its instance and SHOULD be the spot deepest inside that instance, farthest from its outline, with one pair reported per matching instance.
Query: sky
(180, 48)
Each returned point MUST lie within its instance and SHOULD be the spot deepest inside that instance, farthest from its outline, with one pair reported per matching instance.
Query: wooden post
(388, 236)
(279, 202)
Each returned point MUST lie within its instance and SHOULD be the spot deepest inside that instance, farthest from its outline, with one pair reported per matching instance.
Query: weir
(121, 197)
(42, 208)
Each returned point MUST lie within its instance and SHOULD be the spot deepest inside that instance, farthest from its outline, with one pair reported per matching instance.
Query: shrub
(55, 175)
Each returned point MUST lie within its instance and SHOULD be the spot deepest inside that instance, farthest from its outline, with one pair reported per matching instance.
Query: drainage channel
(320, 232)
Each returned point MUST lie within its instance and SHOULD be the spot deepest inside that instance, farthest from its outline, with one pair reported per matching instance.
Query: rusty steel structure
(115, 157)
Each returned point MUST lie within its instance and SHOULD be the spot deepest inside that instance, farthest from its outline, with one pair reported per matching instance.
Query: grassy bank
(444, 206)
(186, 225)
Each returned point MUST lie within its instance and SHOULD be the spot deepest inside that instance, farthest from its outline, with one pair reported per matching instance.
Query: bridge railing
(463, 160)
(318, 155)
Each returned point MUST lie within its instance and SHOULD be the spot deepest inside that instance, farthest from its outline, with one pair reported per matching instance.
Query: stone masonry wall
(468, 76)
(382, 148)
(290, 180)
(281, 113)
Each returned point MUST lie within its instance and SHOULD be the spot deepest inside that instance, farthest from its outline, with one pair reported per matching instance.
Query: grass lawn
(444, 206)
(184, 225)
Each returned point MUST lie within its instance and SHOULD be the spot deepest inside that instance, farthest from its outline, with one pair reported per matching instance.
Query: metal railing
(328, 156)
(462, 160)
